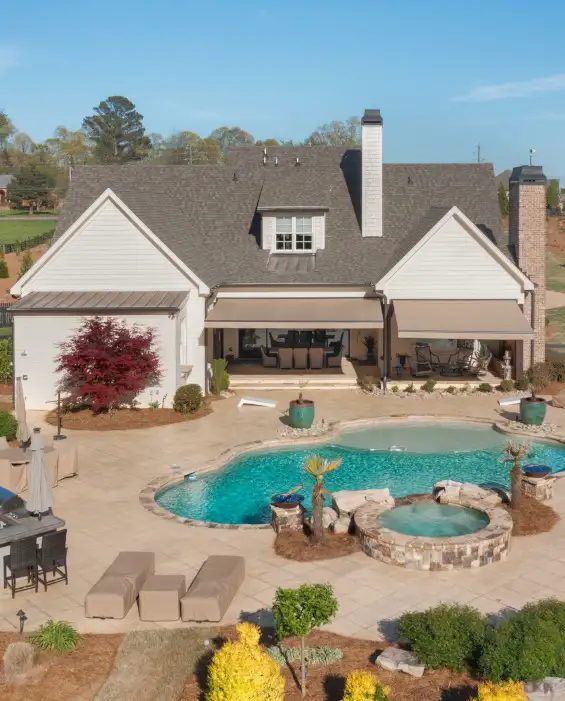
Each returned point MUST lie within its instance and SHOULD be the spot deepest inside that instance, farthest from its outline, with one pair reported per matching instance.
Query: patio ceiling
(499, 319)
(295, 314)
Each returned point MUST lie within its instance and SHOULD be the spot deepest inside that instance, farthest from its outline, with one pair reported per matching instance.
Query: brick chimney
(527, 214)
(372, 173)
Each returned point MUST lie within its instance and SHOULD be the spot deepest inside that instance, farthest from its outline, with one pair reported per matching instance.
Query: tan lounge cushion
(159, 598)
(110, 597)
(213, 588)
(136, 565)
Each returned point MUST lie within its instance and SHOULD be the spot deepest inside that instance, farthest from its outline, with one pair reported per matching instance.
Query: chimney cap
(530, 175)
(372, 117)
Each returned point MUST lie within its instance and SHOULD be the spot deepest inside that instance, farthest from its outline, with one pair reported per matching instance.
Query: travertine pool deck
(103, 514)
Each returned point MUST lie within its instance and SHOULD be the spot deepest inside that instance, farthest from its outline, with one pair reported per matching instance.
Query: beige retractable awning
(481, 319)
(295, 314)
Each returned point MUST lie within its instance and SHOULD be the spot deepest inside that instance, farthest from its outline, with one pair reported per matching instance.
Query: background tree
(318, 467)
(503, 200)
(26, 264)
(32, 185)
(297, 611)
(116, 131)
(6, 131)
(4, 273)
(337, 133)
(553, 194)
(229, 137)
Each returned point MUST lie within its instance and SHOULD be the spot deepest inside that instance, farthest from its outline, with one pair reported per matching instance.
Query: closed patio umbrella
(23, 430)
(40, 495)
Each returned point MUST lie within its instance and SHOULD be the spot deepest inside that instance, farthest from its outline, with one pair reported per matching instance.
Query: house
(289, 243)
(5, 180)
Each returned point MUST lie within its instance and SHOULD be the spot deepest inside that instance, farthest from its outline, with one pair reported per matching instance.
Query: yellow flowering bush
(241, 671)
(506, 691)
(364, 686)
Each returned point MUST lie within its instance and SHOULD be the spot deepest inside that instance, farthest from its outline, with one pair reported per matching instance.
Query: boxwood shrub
(445, 636)
(188, 399)
(8, 425)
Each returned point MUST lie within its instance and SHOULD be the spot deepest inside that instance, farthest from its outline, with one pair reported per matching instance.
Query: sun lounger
(509, 401)
(253, 401)
(213, 588)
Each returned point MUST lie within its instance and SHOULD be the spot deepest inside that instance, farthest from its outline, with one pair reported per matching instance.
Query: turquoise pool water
(433, 520)
(423, 454)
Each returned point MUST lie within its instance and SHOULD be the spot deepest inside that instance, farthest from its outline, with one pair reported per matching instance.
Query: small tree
(514, 453)
(4, 272)
(318, 467)
(553, 195)
(26, 264)
(297, 611)
(107, 363)
(503, 200)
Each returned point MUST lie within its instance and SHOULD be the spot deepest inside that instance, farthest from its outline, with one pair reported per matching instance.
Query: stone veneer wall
(488, 545)
(527, 215)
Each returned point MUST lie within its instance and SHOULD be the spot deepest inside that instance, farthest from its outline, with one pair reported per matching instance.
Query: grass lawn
(11, 231)
(555, 272)
(25, 212)
(556, 322)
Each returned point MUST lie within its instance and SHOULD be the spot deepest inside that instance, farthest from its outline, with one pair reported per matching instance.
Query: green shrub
(523, 648)
(55, 635)
(367, 382)
(485, 387)
(154, 405)
(6, 367)
(220, 381)
(8, 425)
(444, 636)
(506, 386)
(522, 384)
(313, 655)
(4, 272)
(188, 399)
(540, 375)
(452, 389)
(395, 388)
(26, 264)
(429, 385)
(410, 389)
(557, 370)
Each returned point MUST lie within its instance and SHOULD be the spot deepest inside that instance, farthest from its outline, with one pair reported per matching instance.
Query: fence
(28, 243)
(5, 315)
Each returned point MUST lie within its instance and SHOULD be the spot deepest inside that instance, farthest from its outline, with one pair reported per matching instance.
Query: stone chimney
(527, 213)
(372, 173)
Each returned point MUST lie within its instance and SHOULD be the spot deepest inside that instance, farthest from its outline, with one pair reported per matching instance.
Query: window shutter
(320, 232)
(268, 237)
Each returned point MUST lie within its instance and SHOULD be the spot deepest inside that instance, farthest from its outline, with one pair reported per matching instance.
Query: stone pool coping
(148, 495)
(487, 545)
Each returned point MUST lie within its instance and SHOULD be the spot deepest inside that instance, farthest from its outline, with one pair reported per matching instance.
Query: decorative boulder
(19, 660)
(559, 400)
(548, 689)
(396, 660)
(347, 502)
(330, 515)
(342, 525)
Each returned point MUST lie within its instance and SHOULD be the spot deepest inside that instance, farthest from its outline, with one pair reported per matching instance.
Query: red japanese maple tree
(108, 363)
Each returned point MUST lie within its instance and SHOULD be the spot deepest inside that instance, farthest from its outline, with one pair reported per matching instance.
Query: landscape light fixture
(59, 436)
(23, 618)
(532, 151)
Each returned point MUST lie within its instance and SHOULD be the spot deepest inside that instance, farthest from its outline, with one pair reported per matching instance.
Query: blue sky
(446, 75)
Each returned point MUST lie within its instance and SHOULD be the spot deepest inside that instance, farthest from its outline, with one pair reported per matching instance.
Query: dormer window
(294, 234)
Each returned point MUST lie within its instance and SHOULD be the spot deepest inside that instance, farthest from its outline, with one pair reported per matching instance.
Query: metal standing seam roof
(296, 313)
(99, 301)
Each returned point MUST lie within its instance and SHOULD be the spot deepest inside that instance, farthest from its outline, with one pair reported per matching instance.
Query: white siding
(37, 342)
(453, 264)
(108, 253)
(372, 183)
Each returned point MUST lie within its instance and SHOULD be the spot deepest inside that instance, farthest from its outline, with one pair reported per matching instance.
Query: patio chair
(479, 367)
(268, 358)
(424, 355)
(460, 358)
(21, 562)
(274, 342)
(333, 359)
(285, 358)
(52, 557)
(316, 356)
(422, 369)
(300, 358)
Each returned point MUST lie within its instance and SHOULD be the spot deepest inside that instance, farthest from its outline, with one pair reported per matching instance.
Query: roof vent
(265, 159)
(234, 178)
(410, 182)
(276, 160)
(297, 160)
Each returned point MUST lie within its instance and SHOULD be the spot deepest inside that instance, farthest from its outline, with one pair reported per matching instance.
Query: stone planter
(287, 519)
(532, 411)
(301, 414)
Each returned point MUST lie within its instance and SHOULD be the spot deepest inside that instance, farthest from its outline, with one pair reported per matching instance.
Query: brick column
(528, 239)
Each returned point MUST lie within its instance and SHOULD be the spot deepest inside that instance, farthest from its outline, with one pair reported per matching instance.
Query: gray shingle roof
(207, 215)
(5, 179)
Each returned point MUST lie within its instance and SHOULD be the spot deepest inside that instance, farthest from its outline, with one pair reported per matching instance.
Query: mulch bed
(294, 545)
(123, 419)
(532, 517)
(327, 683)
(73, 676)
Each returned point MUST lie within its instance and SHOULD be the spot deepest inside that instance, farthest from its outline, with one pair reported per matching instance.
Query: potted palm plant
(301, 412)
(370, 344)
(533, 408)
(318, 467)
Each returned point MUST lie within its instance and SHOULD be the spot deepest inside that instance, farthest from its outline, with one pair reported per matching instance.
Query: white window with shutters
(293, 233)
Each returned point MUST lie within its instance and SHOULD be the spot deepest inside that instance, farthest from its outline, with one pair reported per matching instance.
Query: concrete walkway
(553, 299)
(103, 514)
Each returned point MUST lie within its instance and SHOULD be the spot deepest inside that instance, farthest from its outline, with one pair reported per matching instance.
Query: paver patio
(103, 514)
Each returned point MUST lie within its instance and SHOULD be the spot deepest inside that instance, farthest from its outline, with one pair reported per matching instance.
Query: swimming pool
(422, 454)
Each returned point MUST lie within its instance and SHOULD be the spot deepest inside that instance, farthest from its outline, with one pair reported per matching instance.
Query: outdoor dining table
(13, 467)
(19, 456)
